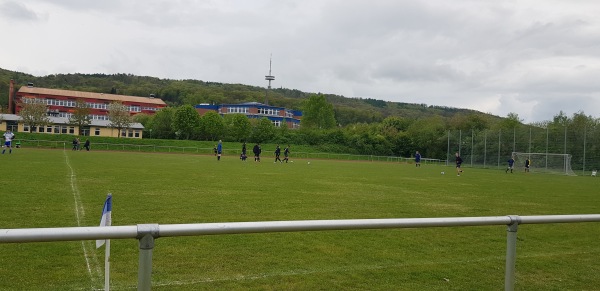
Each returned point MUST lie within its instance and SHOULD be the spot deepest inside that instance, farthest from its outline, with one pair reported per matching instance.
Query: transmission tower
(269, 78)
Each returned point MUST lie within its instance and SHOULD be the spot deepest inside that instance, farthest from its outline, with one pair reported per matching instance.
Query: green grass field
(56, 188)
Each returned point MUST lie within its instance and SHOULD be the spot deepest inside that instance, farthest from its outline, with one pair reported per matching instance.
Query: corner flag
(105, 221)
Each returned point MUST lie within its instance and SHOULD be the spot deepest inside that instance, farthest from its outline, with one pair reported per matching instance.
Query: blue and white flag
(105, 221)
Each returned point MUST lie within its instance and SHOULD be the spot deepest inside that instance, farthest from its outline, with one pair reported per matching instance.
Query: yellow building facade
(60, 125)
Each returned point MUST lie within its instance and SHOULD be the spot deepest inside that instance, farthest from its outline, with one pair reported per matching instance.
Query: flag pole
(107, 261)
(106, 220)
(107, 266)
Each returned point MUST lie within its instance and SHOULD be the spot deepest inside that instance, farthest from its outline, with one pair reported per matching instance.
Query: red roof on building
(90, 95)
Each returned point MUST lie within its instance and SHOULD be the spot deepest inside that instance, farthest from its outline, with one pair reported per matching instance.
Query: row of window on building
(130, 133)
(58, 129)
(238, 110)
(93, 105)
(69, 115)
(65, 129)
(263, 111)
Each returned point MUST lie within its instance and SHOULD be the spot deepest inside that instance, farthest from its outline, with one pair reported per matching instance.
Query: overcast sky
(533, 58)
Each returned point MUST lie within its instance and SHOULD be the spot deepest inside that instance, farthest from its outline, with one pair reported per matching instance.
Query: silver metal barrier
(147, 233)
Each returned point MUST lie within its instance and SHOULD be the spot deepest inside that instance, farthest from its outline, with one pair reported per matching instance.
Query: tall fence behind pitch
(485, 148)
(492, 148)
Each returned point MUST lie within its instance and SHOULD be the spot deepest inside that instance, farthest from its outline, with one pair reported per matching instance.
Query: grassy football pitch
(56, 188)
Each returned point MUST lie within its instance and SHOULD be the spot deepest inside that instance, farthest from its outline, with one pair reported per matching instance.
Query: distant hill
(178, 92)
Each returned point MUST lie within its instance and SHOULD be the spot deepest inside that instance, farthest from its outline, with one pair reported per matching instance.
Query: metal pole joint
(515, 220)
(146, 233)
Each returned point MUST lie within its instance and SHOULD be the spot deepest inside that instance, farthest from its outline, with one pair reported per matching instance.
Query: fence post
(511, 252)
(146, 235)
(448, 150)
(499, 145)
(472, 136)
(584, 143)
(484, 148)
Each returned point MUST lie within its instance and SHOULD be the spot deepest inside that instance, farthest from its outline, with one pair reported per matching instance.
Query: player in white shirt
(8, 137)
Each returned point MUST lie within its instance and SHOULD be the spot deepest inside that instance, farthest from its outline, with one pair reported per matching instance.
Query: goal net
(542, 162)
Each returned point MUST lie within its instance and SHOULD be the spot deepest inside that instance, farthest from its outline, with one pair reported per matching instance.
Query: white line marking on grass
(79, 214)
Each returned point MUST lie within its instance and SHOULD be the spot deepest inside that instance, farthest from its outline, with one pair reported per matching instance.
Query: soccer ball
(443, 173)
(309, 163)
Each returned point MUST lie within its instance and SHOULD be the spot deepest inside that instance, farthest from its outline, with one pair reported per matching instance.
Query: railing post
(146, 235)
(511, 252)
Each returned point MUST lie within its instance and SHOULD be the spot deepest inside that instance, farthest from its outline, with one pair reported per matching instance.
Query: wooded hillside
(192, 92)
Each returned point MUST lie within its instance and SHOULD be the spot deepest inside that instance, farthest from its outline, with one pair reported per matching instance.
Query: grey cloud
(79, 5)
(17, 11)
(410, 70)
(549, 106)
(530, 57)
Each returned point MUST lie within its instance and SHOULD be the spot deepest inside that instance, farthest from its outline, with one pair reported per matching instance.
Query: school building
(279, 116)
(61, 125)
(61, 107)
(61, 103)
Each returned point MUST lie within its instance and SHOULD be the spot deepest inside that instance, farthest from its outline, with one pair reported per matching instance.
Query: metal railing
(147, 233)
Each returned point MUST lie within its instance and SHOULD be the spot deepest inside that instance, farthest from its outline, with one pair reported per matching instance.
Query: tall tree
(212, 125)
(34, 113)
(119, 117)
(511, 121)
(318, 113)
(142, 118)
(239, 126)
(468, 122)
(186, 121)
(81, 116)
(392, 125)
(561, 119)
(263, 131)
(161, 124)
(427, 137)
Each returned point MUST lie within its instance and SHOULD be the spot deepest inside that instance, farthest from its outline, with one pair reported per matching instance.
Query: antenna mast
(269, 78)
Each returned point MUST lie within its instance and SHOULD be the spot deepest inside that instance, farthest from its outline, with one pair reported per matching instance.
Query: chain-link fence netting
(493, 148)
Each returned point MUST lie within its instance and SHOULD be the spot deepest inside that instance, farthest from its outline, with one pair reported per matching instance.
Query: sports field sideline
(57, 188)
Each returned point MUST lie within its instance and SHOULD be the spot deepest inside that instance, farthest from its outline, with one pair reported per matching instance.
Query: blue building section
(208, 106)
(280, 116)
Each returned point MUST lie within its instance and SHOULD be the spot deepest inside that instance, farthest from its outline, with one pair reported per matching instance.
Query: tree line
(394, 136)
